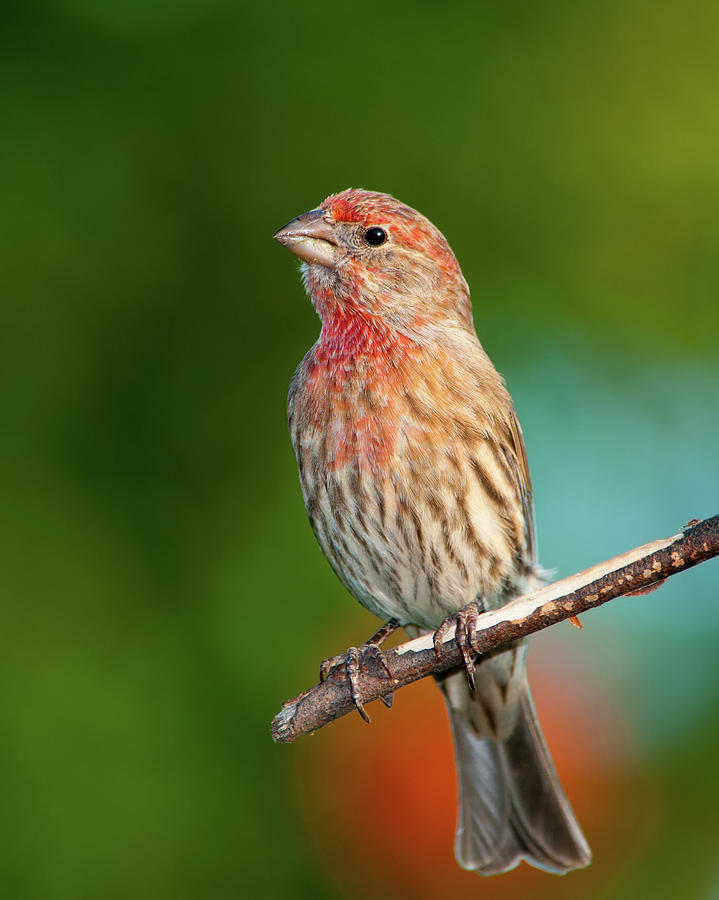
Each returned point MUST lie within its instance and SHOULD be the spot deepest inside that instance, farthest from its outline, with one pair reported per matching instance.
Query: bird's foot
(352, 660)
(464, 624)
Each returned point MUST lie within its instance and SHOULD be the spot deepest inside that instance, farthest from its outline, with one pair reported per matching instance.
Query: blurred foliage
(162, 591)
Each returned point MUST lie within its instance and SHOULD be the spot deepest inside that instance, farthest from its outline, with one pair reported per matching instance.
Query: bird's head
(365, 251)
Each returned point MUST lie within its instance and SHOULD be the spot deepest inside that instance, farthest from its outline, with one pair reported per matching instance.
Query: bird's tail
(511, 805)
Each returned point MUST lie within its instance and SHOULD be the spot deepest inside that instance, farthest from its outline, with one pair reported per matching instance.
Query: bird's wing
(518, 461)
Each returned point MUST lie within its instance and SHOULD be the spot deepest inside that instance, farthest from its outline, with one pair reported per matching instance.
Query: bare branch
(631, 572)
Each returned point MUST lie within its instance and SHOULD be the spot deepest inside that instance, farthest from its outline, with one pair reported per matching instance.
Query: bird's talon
(352, 659)
(468, 668)
(374, 650)
(472, 631)
(464, 623)
(361, 710)
(440, 634)
(328, 664)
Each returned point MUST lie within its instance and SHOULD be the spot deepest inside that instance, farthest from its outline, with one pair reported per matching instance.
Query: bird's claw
(352, 660)
(464, 624)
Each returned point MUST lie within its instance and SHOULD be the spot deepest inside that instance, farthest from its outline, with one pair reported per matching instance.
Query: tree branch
(629, 573)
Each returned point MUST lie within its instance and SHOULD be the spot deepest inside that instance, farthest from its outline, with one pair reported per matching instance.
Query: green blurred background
(162, 591)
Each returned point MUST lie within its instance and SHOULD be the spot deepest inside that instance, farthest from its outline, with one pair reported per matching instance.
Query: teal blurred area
(162, 591)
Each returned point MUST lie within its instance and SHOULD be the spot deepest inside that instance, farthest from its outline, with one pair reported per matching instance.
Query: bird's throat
(352, 335)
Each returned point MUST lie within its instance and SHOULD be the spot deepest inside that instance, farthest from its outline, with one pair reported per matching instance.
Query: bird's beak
(312, 237)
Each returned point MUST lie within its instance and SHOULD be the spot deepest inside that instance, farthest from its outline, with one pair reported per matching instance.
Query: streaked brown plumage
(415, 480)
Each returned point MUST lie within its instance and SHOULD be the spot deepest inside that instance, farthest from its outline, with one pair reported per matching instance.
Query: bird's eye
(375, 236)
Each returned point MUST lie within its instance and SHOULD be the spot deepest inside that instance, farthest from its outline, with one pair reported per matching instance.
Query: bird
(414, 476)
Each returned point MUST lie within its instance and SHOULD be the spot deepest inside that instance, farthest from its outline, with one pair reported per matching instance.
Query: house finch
(415, 480)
